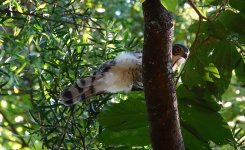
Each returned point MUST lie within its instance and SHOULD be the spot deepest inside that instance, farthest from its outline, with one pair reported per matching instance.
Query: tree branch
(193, 47)
(221, 8)
(196, 10)
(159, 85)
(48, 19)
(194, 44)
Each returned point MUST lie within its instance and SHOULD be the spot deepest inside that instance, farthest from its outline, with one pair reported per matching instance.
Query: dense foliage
(47, 45)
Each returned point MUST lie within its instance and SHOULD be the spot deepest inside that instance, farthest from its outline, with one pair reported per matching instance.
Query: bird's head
(179, 55)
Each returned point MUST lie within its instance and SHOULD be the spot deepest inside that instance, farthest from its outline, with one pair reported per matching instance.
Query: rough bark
(159, 85)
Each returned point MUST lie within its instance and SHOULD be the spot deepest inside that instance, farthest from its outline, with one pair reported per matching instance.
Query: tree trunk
(159, 85)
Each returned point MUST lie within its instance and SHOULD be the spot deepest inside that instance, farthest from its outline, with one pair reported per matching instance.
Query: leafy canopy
(47, 45)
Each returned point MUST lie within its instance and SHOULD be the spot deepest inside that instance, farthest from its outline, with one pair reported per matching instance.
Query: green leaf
(195, 74)
(4, 76)
(192, 142)
(211, 68)
(240, 71)
(233, 21)
(124, 116)
(200, 96)
(18, 7)
(43, 5)
(200, 121)
(129, 137)
(214, 2)
(6, 2)
(211, 72)
(238, 4)
(125, 122)
(170, 5)
(225, 57)
(204, 28)
(20, 69)
(30, 39)
(214, 28)
(204, 123)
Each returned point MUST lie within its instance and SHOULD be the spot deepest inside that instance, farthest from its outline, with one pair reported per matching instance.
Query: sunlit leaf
(16, 31)
(238, 4)
(213, 70)
(170, 5)
(18, 7)
(41, 6)
(30, 39)
(222, 56)
(47, 45)
(20, 69)
(6, 2)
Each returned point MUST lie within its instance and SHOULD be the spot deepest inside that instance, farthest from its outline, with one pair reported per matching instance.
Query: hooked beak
(185, 55)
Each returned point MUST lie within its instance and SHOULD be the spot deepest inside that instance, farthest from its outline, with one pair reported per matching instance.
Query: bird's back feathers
(122, 74)
(113, 76)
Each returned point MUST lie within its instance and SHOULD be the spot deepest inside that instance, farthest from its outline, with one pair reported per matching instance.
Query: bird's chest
(129, 75)
(135, 73)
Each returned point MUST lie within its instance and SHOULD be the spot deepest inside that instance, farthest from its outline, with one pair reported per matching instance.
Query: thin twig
(193, 47)
(81, 137)
(196, 10)
(221, 8)
(48, 19)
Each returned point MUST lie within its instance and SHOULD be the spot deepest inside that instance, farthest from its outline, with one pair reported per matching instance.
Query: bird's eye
(178, 49)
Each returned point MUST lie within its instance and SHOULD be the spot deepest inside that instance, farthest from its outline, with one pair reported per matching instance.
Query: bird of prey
(122, 74)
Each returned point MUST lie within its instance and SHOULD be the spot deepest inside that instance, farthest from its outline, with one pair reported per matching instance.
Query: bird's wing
(105, 67)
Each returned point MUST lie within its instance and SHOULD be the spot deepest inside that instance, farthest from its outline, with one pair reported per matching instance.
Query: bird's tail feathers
(81, 90)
